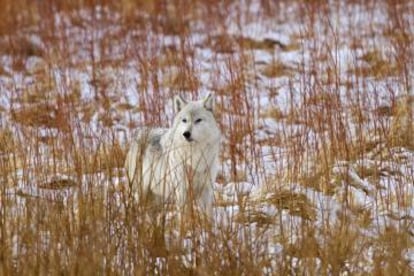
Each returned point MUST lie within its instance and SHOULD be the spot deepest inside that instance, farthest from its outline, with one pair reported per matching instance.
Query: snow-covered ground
(376, 192)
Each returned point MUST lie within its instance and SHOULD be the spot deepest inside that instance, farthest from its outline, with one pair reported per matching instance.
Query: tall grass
(325, 137)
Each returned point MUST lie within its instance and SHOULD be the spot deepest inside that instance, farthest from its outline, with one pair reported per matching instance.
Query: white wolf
(178, 165)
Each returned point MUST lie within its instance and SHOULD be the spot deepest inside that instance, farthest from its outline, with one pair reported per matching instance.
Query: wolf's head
(194, 121)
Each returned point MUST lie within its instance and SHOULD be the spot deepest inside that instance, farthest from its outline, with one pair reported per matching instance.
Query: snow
(388, 200)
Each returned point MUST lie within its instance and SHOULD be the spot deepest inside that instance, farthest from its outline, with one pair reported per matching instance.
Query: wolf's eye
(184, 120)
(198, 120)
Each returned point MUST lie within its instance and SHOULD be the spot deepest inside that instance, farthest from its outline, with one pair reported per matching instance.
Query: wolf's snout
(187, 135)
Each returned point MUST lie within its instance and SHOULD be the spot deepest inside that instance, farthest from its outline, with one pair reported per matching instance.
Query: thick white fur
(168, 167)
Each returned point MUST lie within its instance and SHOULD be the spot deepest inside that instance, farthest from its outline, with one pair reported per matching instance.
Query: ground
(315, 101)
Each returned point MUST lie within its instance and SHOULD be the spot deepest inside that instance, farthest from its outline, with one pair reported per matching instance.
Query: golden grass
(355, 115)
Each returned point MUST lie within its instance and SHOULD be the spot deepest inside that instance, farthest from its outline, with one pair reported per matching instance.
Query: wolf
(178, 165)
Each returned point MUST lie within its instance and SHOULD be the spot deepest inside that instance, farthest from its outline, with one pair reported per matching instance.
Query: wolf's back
(147, 142)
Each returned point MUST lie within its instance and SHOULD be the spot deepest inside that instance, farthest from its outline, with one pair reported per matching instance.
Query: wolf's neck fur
(198, 156)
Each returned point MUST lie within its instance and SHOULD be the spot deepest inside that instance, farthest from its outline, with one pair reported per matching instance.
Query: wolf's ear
(179, 103)
(208, 102)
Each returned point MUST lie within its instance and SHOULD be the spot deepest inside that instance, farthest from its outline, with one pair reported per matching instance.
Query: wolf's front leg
(206, 202)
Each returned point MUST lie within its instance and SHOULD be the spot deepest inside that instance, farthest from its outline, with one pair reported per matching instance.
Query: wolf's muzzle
(187, 136)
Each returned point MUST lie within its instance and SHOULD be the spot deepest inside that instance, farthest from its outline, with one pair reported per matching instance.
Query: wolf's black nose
(187, 135)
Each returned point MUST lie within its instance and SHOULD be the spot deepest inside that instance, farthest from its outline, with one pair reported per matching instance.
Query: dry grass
(318, 155)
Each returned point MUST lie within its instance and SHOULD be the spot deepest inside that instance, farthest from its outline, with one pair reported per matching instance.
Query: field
(315, 101)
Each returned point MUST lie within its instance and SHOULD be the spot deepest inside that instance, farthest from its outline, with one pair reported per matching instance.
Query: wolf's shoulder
(150, 137)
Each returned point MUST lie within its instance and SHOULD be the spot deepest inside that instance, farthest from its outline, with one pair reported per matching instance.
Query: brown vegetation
(320, 123)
